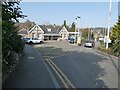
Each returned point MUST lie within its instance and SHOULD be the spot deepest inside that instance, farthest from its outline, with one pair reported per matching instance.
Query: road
(59, 64)
(83, 67)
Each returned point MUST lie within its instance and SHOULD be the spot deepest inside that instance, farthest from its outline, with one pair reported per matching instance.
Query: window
(64, 35)
(39, 35)
(33, 35)
(61, 35)
(49, 29)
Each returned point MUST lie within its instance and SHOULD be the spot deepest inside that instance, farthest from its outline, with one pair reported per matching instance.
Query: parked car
(89, 43)
(26, 39)
(101, 39)
(69, 39)
(72, 40)
(33, 40)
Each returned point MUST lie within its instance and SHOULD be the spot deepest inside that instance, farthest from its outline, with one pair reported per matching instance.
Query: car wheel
(41, 42)
(30, 43)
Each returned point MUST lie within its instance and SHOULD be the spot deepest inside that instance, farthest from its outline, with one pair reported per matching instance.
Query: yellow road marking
(67, 84)
(63, 74)
(51, 57)
(58, 74)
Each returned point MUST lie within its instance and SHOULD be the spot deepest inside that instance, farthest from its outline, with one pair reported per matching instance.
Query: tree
(65, 24)
(92, 35)
(11, 41)
(114, 34)
(115, 37)
(85, 32)
(72, 29)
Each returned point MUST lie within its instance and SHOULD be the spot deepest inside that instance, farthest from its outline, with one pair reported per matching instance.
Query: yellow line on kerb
(61, 78)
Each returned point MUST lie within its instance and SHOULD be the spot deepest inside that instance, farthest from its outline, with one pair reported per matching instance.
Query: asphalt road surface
(59, 64)
(83, 67)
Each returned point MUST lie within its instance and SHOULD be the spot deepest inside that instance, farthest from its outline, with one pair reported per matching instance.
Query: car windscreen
(88, 41)
(26, 39)
(35, 39)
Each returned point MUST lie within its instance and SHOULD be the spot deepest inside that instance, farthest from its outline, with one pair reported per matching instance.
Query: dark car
(72, 40)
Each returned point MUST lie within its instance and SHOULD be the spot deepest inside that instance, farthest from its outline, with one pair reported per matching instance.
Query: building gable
(63, 30)
(36, 27)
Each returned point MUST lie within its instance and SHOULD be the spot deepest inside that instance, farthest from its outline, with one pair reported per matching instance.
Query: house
(23, 28)
(51, 32)
(36, 32)
(45, 32)
(64, 33)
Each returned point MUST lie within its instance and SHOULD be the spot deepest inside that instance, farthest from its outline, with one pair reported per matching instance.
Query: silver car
(89, 43)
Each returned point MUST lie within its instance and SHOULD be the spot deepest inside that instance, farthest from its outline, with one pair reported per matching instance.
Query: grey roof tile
(22, 32)
(54, 29)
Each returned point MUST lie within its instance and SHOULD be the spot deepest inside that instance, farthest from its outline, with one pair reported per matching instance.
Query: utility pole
(107, 42)
(78, 17)
(75, 22)
(76, 27)
(79, 34)
(89, 32)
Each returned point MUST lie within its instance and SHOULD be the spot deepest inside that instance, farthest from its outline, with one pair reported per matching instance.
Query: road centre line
(67, 83)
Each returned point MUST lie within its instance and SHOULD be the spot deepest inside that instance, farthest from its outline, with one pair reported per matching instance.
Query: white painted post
(108, 25)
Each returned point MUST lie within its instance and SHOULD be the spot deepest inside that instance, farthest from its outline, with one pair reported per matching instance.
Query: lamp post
(75, 22)
(78, 17)
(89, 32)
(107, 42)
(76, 27)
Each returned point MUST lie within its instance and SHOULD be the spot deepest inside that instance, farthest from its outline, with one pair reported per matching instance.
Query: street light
(107, 42)
(89, 32)
(75, 22)
(76, 26)
(78, 17)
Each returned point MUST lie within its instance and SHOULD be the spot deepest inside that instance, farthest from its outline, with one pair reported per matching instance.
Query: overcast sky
(93, 13)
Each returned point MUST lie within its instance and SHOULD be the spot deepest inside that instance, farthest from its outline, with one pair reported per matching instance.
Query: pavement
(0, 75)
(31, 72)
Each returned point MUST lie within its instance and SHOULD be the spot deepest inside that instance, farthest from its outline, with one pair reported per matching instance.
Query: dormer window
(49, 29)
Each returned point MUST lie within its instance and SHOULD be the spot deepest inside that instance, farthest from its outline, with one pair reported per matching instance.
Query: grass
(108, 51)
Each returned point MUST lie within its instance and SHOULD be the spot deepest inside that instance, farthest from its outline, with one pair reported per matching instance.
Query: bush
(12, 45)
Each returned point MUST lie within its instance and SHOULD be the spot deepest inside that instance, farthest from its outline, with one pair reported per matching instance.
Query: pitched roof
(53, 29)
(26, 25)
(63, 29)
(48, 29)
(22, 32)
(32, 28)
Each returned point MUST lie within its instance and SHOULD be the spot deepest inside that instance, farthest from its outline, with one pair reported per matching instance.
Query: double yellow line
(67, 83)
